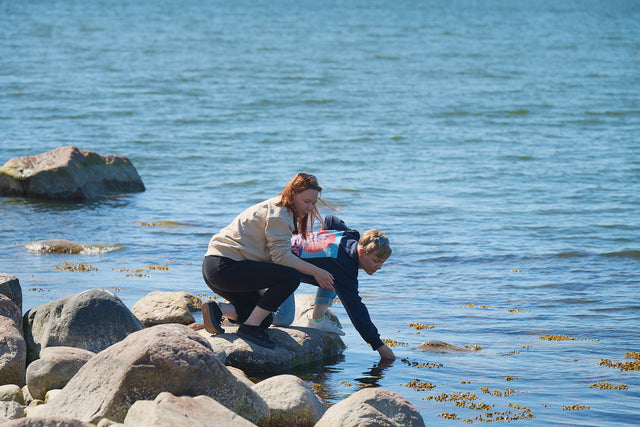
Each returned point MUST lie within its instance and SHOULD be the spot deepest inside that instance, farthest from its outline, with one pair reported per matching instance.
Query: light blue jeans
(287, 311)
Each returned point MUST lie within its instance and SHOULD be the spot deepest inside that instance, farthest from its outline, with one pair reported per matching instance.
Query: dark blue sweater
(335, 249)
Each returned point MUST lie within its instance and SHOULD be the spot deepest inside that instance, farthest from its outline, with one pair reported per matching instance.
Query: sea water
(497, 144)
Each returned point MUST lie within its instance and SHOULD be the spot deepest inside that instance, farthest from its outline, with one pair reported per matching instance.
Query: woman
(253, 253)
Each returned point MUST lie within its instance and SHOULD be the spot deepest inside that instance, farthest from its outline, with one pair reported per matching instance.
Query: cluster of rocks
(87, 359)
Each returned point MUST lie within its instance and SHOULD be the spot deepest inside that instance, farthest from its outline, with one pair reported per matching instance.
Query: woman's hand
(324, 278)
(386, 353)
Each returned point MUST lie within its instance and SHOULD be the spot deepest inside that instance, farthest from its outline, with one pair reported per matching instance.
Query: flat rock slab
(295, 347)
(68, 174)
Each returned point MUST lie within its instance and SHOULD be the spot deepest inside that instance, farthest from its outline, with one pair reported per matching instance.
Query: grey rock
(167, 410)
(11, 410)
(11, 393)
(55, 367)
(46, 422)
(291, 401)
(372, 407)
(10, 286)
(68, 173)
(92, 320)
(13, 352)
(158, 308)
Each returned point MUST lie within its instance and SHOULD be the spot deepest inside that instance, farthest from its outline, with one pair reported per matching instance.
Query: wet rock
(10, 286)
(92, 320)
(170, 358)
(68, 173)
(166, 307)
(55, 367)
(435, 346)
(291, 401)
(55, 246)
(372, 407)
(167, 410)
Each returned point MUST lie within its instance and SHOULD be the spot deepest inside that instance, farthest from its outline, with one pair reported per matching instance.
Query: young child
(342, 252)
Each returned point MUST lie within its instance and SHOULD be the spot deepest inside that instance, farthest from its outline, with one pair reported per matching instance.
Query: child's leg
(286, 312)
(324, 299)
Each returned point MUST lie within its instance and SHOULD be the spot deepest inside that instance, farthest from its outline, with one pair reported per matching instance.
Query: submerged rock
(435, 346)
(67, 174)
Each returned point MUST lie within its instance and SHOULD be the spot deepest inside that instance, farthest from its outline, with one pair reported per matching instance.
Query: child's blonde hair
(375, 241)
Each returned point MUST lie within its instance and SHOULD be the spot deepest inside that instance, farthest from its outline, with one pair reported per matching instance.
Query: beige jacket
(260, 233)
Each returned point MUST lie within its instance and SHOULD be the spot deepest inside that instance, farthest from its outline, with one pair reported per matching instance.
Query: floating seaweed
(575, 408)
(606, 385)
(624, 366)
(157, 267)
(500, 393)
(421, 365)
(564, 338)
(473, 305)
(420, 326)
(392, 343)
(420, 385)
(74, 266)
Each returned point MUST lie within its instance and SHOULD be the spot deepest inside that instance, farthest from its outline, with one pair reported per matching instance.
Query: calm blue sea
(496, 142)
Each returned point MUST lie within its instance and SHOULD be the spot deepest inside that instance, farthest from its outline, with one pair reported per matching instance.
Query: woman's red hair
(298, 184)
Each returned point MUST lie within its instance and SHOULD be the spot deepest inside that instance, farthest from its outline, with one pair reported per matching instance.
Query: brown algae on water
(74, 266)
(606, 385)
(420, 326)
(633, 365)
(564, 338)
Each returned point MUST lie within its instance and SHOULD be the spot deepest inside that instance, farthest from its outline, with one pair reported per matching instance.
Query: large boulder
(68, 173)
(10, 286)
(372, 407)
(159, 307)
(171, 358)
(291, 401)
(92, 320)
(55, 367)
(168, 410)
(13, 348)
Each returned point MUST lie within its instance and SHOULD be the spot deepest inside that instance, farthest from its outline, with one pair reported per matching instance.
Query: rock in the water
(68, 173)
(372, 407)
(92, 320)
(435, 346)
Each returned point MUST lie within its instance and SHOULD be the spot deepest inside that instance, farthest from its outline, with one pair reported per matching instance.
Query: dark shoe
(255, 335)
(212, 316)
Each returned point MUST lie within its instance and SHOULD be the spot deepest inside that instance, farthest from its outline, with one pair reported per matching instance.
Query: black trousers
(239, 282)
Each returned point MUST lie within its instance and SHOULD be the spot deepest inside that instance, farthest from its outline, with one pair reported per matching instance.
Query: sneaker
(212, 316)
(256, 335)
(325, 324)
